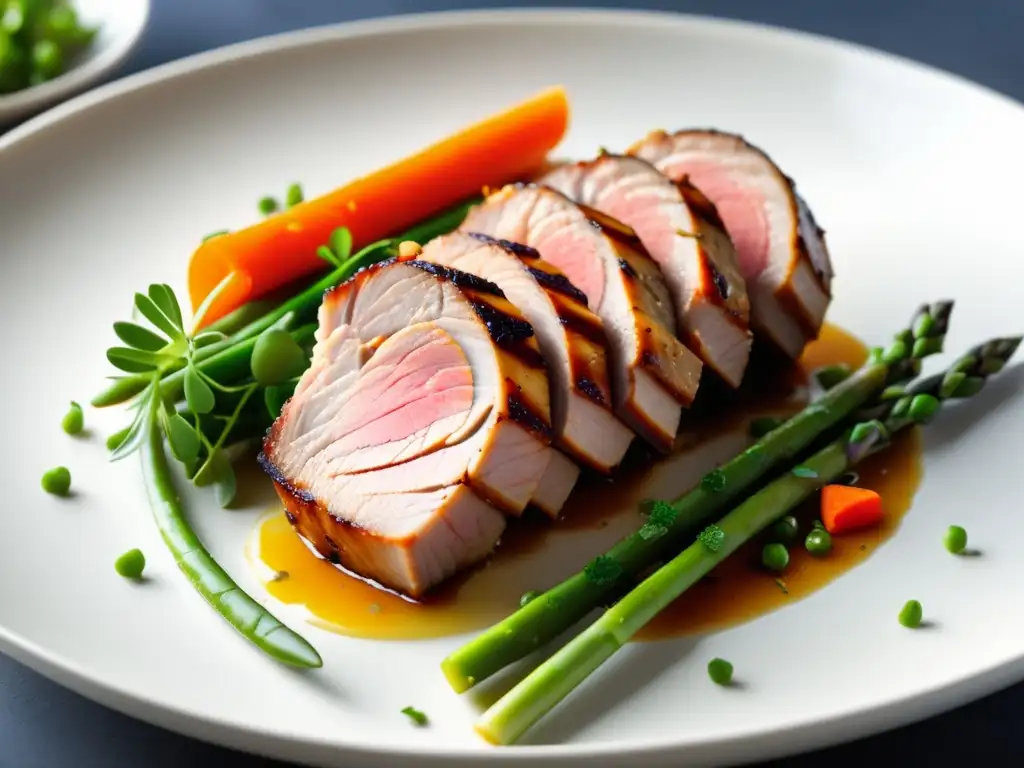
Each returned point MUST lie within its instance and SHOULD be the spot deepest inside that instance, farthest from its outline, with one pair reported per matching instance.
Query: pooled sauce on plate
(536, 553)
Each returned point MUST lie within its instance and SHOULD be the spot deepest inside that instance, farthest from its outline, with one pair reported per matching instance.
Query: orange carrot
(845, 508)
(505, 147)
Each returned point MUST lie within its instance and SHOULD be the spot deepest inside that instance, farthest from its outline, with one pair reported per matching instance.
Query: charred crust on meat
(586, 325)
(516, 249)
(268, 466)
(457, 277)
(524, 416)
(591, 390)
(720, 283)
(699, 204)
(611, 227)
(502, 327)
(559, 283)
(627, 268)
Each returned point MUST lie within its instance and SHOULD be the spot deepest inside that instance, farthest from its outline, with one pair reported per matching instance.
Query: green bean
(246, 615)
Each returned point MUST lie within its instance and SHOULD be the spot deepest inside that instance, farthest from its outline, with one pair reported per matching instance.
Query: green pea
(276, 358)
(74, 420)
(775, 557)
(47, 59)
(785, 530)
(830, 376)
(720, 671)
(57, 481)
(910, 616)
(528, 597)
(269, 205)
(130, 564)
(955, 539)
(294, 195)
(818, 542)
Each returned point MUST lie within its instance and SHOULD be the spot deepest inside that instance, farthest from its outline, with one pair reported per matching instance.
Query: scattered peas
(785, 530)
(38, 40)
(955, 539)
(415, 715)
(276, 358)
(775, 557)
(269, 205)
(74, 420)
(130, 564)
(910, 616)
(57, 481)
(720, 671)
(818, 542)
(47, 59)
(294, 195)
(528, 597)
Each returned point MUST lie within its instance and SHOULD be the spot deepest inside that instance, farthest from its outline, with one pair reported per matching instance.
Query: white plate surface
(914, 174)
(121, 25)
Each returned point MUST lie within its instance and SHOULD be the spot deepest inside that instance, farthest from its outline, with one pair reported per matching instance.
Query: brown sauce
(537, 553)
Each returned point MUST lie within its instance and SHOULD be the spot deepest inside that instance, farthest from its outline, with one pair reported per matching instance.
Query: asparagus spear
(544, 618)
(303, 307)
(526, 703)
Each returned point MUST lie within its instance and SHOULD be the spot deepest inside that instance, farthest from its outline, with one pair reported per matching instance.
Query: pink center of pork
(742, 210)
(415, 391)
(577, 258)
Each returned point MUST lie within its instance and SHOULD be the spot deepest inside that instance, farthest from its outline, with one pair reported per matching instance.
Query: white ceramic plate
(914, 173)
(121, 23)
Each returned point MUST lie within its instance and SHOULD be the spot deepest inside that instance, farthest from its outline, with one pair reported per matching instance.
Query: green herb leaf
(651, 531)
(212, 468)
(802, 471)
(163, 296)
(275, 397)
(207, 338)
(327, 255)
(138, 337)
(225, 484)
(152, 312)
(603, 569)
(198, 394)
(782, 586)
(139, 429)
(714, 481)
(132, 360)
(341, 243)
(415, 715)
(712, 538)
(218, 233)
(183, 439)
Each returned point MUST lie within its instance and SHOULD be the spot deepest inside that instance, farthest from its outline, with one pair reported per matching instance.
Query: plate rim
(768, 742)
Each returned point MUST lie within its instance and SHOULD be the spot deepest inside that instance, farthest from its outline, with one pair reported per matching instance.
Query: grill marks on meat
(782, 252)
(413, 425)
(683, 233)
(571, 339)
(653, 374)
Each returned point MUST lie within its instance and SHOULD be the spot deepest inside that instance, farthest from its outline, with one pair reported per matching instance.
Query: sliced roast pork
(653, 374)
(571, 337)
(782, 251)
(423, 413)
(681, 230)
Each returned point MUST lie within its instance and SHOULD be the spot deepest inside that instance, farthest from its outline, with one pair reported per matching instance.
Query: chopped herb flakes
(801, 471)
(662, 514)
(712, 538)
(415, 715)
(782, 586)
(714, 481)
(602, 570)
(650, 531)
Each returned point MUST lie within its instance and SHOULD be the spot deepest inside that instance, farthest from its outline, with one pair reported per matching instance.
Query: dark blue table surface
(44, 725)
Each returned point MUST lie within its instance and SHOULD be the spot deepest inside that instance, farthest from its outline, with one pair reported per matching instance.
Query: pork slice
(571, 338)
(423, 413)
(653, 374)
(781, 249)
(683, 233)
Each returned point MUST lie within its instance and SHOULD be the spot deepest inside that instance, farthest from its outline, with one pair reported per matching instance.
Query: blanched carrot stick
(505, 147)
(845, 508)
